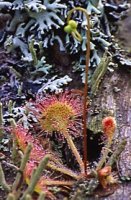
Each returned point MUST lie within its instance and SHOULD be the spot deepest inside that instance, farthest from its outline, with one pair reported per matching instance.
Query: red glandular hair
(109, 126)
(60, 113)
(23, 137)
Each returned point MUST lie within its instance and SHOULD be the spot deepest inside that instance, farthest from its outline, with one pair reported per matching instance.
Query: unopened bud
(109, 126)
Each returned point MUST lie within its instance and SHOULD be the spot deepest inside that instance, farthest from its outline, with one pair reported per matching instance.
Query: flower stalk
(77, 36)
(74, 150)
(63, 171)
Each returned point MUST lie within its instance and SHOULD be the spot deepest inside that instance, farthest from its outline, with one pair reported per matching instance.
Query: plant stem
(10, 106)
(10, 197)
(117, 152)
(63, 170)
(14, 148)
(17, 183)
(36, 176)
(58, 183)
(41, 196)
(3, 182)
(104, 156)
(85, 116)
(74, 150)
(28, 197)
(33, 52)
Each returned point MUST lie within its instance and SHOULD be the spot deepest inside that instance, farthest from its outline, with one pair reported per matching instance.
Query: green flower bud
(73, 24)
(68, 29)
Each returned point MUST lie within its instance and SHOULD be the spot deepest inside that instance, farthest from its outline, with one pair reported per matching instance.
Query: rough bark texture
(124, 32)
(114, 95)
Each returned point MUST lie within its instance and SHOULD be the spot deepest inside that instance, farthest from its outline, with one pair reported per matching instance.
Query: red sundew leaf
(62, 112)
(105, 176)
(40, 186)
(37, 153)
(23, 137)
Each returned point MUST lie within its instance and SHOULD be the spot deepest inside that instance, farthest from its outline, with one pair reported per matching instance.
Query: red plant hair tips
(60, 113)
(109, 126)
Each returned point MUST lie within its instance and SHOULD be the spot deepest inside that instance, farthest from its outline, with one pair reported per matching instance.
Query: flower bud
(105, 176)
(68, 29)
(106, 171)
(73, 24)
(109, 126)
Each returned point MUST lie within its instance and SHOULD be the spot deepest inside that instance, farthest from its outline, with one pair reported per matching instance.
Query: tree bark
(114, 97)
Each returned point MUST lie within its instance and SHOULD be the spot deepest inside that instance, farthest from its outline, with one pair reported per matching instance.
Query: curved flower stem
(74, 150)
(86, 81)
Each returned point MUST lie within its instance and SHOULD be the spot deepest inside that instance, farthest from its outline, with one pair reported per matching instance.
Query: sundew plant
(42, 167)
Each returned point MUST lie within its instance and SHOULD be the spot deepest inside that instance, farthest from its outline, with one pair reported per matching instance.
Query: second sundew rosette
(23, 138)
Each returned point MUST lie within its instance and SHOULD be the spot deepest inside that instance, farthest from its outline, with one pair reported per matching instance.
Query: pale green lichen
(42, 21)
(99, 73)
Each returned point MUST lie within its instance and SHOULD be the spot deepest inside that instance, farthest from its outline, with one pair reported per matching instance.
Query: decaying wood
(114, 97)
